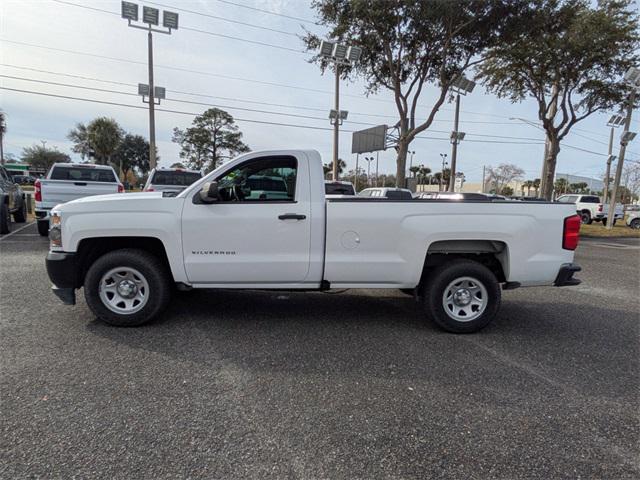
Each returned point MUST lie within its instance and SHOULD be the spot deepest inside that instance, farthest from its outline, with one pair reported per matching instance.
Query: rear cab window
(338, 189)
(588, 199)
(183, 179)
(83, 174)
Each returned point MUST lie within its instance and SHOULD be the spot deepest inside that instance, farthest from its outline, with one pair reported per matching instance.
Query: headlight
(55, 230)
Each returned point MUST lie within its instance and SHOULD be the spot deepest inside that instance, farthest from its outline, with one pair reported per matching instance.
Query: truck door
(259, 229)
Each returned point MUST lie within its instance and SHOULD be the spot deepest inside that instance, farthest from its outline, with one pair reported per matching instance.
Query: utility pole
(627, 136)
(151, 17)
(355, 179)
(3, 128)
(152, 112)
(483, 177)
(614, 122)
(377, 182)
(454, 146)
(336, 125)
(338, 54)
(461, 86)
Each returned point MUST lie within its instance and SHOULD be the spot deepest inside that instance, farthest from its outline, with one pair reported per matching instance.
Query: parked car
(633, 219)
(128, 251)
(24, 179)
(632, 208)
(69, 181)
(590, 208)
(387, 192)
(170, 179)
(12, 202)
(338, 188)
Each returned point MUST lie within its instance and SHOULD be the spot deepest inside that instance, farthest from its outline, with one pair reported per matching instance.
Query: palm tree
(561, 185)
(536, 185)
(424, 173)
(528, 184)
(414, 170)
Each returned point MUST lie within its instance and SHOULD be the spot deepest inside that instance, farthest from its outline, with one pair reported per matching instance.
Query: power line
(231, 107)
(204, 95)
(202, 14)
(269, 12)
(240, 39)
(263, 122)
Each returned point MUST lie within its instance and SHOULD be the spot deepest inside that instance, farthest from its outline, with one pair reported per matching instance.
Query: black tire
(604, 221)
(443, 277)
(153, 270)
(635, 223)
(43, 227)
(5, 219)
(20, 216)
(585, 217)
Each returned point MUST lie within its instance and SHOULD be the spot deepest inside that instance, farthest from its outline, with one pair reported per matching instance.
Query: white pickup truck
(127, 251)
(68, 181)
(591, 209)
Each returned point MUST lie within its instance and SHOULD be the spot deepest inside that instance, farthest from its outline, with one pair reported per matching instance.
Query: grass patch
(620, 229)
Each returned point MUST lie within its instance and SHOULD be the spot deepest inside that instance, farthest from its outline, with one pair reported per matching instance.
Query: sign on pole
(369, 140)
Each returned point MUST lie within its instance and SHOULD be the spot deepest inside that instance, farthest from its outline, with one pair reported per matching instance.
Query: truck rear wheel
(462, 296)
(20, 216)
(5, 220)
(127, 287)
(43, 228)
(585, 217)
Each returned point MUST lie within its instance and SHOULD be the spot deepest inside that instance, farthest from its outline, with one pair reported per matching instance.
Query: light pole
(443, 156)
(151, 17)
(355, 177)
(631, 77)
(410, 162)
(369, 160)
(339, 55)
(614, 122)
(461, 86)
(377, 181)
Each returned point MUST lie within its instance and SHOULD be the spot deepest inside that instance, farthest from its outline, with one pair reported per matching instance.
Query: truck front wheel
(43, 228)
(461, 296)
(127, 287)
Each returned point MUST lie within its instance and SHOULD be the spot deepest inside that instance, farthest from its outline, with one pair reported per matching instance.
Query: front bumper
(63, 272)
(565, 275)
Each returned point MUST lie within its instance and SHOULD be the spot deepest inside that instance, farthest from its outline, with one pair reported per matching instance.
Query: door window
(266, 179)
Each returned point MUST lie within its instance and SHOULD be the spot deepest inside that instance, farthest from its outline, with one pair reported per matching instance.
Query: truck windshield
(83, 174)
(175, 178)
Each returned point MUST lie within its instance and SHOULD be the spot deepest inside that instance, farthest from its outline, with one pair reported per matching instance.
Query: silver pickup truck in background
(68, 181)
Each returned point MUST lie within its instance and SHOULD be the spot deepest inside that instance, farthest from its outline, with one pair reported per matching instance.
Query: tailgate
(62, 191)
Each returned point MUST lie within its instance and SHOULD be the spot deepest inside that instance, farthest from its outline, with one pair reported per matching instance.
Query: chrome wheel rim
(465, 299)
(124, 290)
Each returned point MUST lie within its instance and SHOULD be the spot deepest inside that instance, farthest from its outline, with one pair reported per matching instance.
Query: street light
(631, 78)
(443, 156)
(150, 16)
(340, 55)
(369, 160)
(614, 122)
(461, 86)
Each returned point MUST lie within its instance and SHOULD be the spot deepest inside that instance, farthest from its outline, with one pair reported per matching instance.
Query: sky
(218, 57)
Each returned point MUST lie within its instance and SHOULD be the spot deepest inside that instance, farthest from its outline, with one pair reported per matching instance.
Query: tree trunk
(401, 162)
(546, 186)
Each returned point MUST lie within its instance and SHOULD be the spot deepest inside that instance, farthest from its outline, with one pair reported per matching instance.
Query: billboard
(369, 140)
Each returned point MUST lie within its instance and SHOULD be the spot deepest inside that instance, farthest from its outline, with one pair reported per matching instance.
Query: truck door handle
(80, 184)
(291, 216)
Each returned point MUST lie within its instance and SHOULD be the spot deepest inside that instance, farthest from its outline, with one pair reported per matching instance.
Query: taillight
(120, 188)
(571, 232)
(38, 194)
(600, 207)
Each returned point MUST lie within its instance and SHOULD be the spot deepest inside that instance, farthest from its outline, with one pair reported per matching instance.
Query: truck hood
(119, 202)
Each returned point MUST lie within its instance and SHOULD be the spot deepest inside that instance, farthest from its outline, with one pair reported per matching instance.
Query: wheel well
(90, 249)
(585, 210)
(492, 254)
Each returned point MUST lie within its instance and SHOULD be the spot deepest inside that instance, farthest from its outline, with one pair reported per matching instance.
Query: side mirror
(209, 192)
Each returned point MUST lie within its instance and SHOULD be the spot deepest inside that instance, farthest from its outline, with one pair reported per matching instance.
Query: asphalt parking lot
(311, 385)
